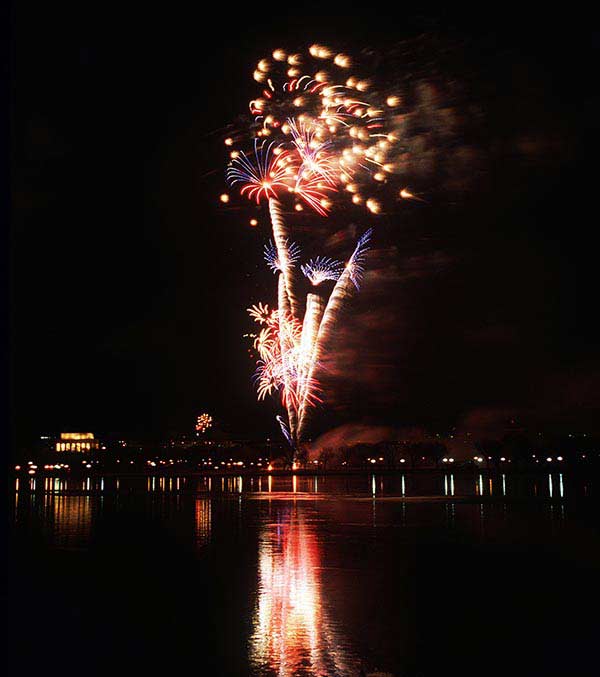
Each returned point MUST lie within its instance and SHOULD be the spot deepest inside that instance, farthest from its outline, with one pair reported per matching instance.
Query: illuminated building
(77, 442)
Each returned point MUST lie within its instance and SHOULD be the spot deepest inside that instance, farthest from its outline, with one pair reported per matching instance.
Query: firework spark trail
(272, 259)
(284, 429)
(320, 269)
(310, 327)
(278, 345)
(281, 240)
(261, 177)
(287, 343)
(344, 287)
(313, 153)
(283, 299)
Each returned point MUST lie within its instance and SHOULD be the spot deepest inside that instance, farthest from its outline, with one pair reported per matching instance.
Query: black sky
(129, 283)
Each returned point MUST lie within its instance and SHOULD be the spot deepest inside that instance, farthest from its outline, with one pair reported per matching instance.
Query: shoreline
(172, 470)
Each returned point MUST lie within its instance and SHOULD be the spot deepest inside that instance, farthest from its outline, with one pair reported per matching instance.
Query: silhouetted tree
(325, 456)
(517, 447)
(489, 449)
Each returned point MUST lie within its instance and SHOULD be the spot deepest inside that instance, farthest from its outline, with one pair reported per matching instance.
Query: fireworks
(320, 269)
(329, 128)
(316, 161)
(329, 139)
(350, 278)
(405, 194)
(203, 423)
(282, 358)
(272, 258)
(355, 266)
(262, 176)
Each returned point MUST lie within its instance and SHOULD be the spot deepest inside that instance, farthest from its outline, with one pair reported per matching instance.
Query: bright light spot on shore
(224, 198)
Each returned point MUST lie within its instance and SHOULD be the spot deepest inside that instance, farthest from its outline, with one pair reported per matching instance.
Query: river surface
(415, 574)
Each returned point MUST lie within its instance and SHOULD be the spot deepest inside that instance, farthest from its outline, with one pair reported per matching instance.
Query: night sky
(129, 281)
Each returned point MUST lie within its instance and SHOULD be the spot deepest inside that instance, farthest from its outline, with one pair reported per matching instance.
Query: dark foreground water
(422, 574)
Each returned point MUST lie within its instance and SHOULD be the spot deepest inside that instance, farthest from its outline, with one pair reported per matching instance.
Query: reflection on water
(293, 634)
(431, 485)
(70, 519)
(318, 572)
(203, 521)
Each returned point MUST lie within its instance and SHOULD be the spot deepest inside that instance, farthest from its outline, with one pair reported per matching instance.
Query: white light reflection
(560, 486)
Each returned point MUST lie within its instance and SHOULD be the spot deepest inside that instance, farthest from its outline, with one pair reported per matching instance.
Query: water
(409, 574)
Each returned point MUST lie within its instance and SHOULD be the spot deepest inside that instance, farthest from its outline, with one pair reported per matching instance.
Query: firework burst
(320, 269)
(316, 160)
(271, 255)
(282, 358)
(341, 127)
(265, 174)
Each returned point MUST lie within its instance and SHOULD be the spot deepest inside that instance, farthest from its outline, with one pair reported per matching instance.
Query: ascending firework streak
(351, 277)
(268, 172)
(287, 347)
(285, 265)
(290, 352)
(310, 330)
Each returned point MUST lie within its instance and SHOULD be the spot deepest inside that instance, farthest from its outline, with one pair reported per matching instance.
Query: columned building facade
(77, 442)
